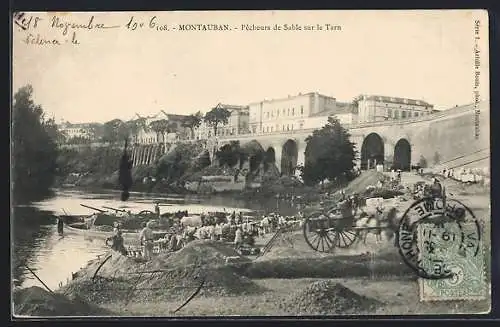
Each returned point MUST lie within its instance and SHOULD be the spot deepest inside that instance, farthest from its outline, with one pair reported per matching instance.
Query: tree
(217, 116)
(160, 127)
(34, 152)
(229, 154)
(114, 131)
(192, 121)
(329, 153)
(422, 162)
(355, 101)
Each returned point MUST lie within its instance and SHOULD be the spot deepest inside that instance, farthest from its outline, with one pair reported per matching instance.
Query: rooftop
(232, 107)
(160, 113)
(292, 97)
(342, 108)
(385, 98)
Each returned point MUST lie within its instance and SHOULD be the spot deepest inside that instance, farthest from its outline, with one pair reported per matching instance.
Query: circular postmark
(432, 232)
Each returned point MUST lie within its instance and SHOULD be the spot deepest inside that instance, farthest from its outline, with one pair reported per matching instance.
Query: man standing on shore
(146, 238)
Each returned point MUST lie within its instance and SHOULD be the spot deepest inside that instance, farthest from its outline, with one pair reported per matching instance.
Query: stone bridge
(438, 137)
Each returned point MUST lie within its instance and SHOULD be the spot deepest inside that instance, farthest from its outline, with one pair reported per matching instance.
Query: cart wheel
(345, 238)
(318, 236)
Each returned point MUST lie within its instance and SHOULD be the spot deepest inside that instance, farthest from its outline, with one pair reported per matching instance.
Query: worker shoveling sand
(328, 298)
(35, 301)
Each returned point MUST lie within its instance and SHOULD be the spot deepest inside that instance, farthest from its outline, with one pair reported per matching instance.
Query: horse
(378, 223)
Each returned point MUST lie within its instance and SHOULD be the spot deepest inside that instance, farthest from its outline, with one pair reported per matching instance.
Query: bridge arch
(270, 155)
(402, 155)
(372, 151)
(289, 157)
(254, 152)
(226, 156)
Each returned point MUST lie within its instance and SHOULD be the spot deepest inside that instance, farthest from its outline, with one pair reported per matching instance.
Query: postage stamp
(445, 250)
(445, 221)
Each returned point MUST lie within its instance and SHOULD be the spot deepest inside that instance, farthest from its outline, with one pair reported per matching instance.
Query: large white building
(302, 111)
(372, 108)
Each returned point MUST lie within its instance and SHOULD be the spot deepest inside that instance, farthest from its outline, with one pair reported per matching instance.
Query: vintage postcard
(250, 163)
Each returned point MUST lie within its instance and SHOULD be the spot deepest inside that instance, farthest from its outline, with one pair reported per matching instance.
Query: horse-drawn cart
(324, 231)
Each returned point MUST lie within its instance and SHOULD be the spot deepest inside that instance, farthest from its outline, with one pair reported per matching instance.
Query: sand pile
(117, 266)
(179, 284)
(35, 301)
(328, 298)
(199, 252)
(172, 276)
(113, 281)
(99, 290)
(179, 274)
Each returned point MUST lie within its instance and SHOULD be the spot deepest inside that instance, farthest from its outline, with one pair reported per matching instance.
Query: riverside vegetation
(40, 164)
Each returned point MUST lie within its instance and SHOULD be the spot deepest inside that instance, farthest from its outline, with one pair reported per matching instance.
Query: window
(284, 111)
(283, 127)
(415, 114)
(301, 125)
(396, 114)
(271, 129)
(301, 110)
(267, 114)
(292, 127)
(293, 111)
(287, 127)
(288, 111)
(389, 113)
(403, 114)
(277, 113)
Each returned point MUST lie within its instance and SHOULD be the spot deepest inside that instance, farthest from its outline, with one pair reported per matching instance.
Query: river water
(37, 245)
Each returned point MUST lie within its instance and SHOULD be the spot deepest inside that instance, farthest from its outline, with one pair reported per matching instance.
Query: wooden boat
(130, 237)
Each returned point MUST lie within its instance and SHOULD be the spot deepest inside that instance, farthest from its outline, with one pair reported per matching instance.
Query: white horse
(191, 221)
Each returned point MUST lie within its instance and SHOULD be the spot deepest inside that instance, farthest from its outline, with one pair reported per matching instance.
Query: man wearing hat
(436, 189)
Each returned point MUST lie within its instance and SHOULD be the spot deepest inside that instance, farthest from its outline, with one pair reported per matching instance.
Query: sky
(117, 72)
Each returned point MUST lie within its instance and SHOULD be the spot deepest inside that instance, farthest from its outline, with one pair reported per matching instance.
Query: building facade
(237, 123)
(76, 130)
(285, 114)
(373, 108)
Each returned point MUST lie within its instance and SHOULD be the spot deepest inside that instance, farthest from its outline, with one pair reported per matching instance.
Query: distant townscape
(307, 111)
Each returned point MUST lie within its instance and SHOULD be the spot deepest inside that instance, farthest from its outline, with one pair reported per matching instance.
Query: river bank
(362, 279)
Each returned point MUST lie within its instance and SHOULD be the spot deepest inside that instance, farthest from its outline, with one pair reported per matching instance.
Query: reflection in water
(38, 245)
